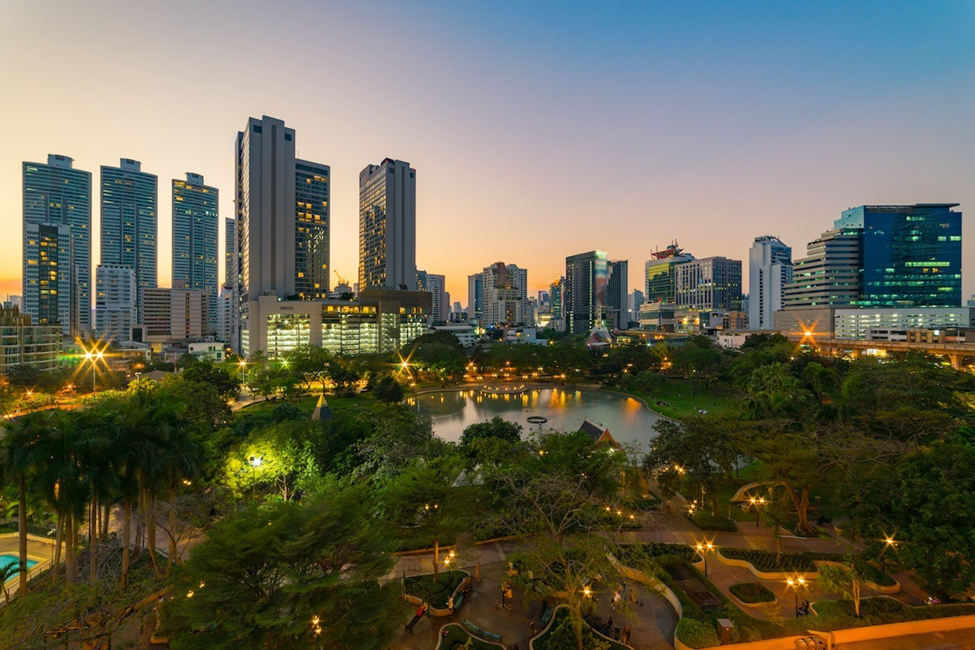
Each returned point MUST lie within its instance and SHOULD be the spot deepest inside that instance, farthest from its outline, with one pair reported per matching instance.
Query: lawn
(677, 393)
(752, 592)
(307, 403)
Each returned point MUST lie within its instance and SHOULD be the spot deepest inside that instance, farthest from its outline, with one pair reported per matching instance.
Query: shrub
(696, 634)
(654, 550)
(752, 592)
(706, 521)
(562, 637)
(435, 594)
(767, 562)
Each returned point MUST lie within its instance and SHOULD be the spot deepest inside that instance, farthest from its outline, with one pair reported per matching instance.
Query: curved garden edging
(439, 645)
(765, 575)
(435, 611)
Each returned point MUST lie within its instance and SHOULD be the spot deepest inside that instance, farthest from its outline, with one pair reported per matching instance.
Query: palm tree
(20, 455)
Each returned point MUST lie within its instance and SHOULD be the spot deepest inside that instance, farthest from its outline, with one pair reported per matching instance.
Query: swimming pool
(13, 560)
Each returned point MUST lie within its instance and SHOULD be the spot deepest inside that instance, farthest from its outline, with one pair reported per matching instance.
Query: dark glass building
(911, 254)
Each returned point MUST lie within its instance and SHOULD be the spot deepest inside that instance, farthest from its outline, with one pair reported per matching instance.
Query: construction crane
(341, 279)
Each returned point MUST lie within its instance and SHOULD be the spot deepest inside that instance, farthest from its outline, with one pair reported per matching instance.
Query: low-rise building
(175, 315)
(23, 343)
(464, 333)
(856, 324)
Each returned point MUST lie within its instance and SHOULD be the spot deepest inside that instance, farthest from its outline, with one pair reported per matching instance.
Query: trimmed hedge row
(752, 592)
(769, 563)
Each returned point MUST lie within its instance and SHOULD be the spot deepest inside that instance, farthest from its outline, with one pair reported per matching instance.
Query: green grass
(752, 592)
(677, 392)
(767, 562)
(434, 593)
(307, 403)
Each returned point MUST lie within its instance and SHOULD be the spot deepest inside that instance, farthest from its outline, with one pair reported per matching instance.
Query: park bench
(457, 603)
(476, 631)
(413, 622)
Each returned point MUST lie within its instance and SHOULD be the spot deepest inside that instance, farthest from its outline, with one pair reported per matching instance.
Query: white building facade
(115, 302)
(769, 270)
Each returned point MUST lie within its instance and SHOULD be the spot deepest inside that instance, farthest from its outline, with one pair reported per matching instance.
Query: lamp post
(889, 542)
(704, 549)
(796, 584)
(760, 501)
(93, 357)
(243, 371)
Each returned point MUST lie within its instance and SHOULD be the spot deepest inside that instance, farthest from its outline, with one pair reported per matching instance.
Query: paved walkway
(956, 640)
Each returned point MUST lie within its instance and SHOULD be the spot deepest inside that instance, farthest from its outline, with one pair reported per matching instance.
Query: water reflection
(627, 419)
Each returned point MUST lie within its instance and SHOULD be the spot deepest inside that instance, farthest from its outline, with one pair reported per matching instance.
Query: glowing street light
(704, 549)
(760, 501)
(796, 584)
(889, 542)
(93, 357)
(256, 461)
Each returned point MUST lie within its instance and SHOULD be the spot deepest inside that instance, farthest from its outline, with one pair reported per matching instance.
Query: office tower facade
(312, 230)
(177, 314)
(911, 254)
(115, 302)
(505, 296)
(708, 284)
(617, 295)
(660, 279)
(635, 302)
(437, 286)
(57, 244)
(129, 222)
(769, 271)
(475, 296)
(586, 277)
(387, 226)
(230, 251)
(196, 238)
(829, 275)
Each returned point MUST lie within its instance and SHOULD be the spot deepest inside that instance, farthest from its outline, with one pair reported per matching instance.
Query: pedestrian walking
(508, 595)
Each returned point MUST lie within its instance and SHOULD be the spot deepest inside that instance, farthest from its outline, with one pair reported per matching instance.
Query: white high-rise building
(505, 296)
(226, 308)
(387, 226)
(437, 285)
(769, 270)
(115, 302)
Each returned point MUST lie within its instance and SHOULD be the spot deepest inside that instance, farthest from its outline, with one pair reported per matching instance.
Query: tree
(388, 390)
(275, 455)
(202, 372)
(698, 360)
(430, 502)
(698, 450)
(399, 437)
(496, 428)
(289, 576)
(847, 578)
(550, 500)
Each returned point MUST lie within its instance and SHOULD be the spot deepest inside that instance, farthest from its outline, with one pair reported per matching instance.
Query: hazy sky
(538, 130)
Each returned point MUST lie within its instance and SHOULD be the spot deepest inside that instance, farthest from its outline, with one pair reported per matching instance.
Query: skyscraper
(475, 296)
(436, 285)
(769, 271)
(635, 302)
(387, 226)
(313, 226)
(661, 282)
(911, 254)
(617, 295)
(196, 232)
(57, 244)
(129, 222)
(586, 278)
(829, 275)
(505, 296)
(230, 251)
(708, 284)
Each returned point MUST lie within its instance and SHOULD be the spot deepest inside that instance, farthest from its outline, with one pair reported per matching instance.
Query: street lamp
(704, 549)
(760, 501)
(796, 584)
(889, 542)
(94, 358)
(256, 461)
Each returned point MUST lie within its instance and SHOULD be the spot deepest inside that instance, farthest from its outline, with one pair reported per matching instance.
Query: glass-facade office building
(57, 244)
(911, 254)
(196, 232)
(311, 230)
(129, 222)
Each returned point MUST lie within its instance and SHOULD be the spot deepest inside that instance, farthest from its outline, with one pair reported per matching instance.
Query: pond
(628, 420)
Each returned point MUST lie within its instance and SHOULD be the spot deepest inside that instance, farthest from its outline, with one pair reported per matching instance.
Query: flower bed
(433, 593)
(752, 592)
(768, 562)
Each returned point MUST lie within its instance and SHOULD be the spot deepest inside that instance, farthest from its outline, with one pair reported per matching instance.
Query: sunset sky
(537, 129)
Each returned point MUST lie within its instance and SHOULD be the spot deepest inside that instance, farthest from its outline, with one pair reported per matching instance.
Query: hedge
(706, 521)
(434, 594)
(696, 634)
(752, 592)
(768, 562)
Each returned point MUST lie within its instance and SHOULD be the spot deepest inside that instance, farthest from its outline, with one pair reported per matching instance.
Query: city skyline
(712, 146)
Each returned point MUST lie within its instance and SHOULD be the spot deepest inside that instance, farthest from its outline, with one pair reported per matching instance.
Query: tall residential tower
(196, 232)
(769, 271)
(57, 244)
